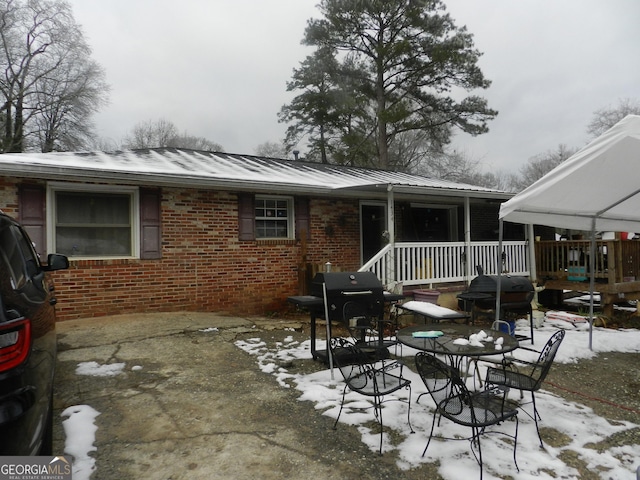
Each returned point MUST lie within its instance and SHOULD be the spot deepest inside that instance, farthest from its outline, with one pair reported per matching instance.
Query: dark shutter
(302, 217)
(31, 214)
(150, 232)
(246, 217)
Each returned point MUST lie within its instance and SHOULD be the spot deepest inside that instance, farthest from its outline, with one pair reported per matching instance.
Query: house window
(273, 217)
(97, 223)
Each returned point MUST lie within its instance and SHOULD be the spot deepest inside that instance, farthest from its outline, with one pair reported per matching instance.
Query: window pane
(93, 224)
(271, 229)
(84, 208)
(272, 218)
(88, 241)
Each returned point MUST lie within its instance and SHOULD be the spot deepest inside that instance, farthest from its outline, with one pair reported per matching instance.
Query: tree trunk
(17, 141)
(7, 136)
(323, 145)
(383, 148)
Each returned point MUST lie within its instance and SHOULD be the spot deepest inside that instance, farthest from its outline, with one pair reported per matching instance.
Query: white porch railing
(415, 263)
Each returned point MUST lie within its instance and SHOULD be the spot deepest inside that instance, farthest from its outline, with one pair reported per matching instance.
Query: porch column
(533, 274)
(391, 222)
(467, 239)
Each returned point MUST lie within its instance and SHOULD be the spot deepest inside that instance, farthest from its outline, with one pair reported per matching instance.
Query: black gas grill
(516, 294)
(363, 289)
(346, 293)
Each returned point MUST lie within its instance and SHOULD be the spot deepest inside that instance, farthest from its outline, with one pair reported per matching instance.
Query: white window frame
(290, 216)
(133, 192)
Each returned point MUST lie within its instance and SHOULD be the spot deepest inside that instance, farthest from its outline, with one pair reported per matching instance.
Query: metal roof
(192, 168)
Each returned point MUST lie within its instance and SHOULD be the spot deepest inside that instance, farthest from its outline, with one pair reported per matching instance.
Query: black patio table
(429, 340)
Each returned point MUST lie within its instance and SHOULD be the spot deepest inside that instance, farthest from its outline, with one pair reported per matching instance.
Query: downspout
(391, 221)
(467, 240)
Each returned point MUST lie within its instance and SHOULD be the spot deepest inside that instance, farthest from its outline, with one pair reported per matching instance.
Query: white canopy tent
(596, 189)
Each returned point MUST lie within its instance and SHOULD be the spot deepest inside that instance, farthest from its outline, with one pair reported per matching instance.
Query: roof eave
(436, 191)
(159, 179)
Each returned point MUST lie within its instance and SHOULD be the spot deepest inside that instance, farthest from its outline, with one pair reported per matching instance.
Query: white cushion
(431, 310)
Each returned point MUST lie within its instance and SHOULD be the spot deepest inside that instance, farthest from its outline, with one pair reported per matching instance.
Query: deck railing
(428, 263)
(615, 260)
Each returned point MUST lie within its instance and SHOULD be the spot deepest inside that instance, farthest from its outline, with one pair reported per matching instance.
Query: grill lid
(489, 284)
(362, 290)
(346, 282)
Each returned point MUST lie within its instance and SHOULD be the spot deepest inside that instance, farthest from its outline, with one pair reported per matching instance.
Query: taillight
(15, 341)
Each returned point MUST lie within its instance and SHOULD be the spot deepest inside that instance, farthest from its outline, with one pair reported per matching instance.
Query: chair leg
(344, 392)
(409, 412)
(378, 414)
(536, 416)
(477, 432)
(515, 445)
(378, 408)
(433, 425)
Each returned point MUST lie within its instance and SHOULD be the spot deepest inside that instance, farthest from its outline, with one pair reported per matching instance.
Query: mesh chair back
(453, 399)
(437, 377)
(356, 319)
(360, 372)
(354, 365)
(545, 360)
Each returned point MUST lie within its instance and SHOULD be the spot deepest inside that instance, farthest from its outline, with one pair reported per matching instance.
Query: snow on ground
(94, 369)
(80, 433)
(579, 423)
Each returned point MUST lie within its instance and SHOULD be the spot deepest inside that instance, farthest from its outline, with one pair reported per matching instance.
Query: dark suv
(27, 343)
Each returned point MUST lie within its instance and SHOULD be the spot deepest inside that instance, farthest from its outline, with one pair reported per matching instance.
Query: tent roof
(601, 182)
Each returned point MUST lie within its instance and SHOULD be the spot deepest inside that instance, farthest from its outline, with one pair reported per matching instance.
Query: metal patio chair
(527, 376)
(456, 403)
(364, 377)
(366, 328)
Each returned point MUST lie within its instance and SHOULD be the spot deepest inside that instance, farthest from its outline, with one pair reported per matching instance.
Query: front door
(373, 223)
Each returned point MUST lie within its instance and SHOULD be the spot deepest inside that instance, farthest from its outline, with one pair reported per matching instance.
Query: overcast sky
(218, 68)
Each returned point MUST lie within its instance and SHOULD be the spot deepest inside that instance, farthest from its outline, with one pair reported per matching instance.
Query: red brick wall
(335, 233)
(9, 196)
(204, 267)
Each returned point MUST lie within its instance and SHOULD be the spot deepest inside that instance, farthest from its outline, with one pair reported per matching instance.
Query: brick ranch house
(181, 230)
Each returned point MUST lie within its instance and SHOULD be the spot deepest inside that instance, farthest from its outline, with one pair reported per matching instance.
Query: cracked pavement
(196, 406)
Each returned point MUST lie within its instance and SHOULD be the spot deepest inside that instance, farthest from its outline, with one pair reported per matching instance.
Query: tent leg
(592, 278)
(499, 269)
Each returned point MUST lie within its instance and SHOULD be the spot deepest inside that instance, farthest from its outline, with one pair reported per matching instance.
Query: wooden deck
(564, 265)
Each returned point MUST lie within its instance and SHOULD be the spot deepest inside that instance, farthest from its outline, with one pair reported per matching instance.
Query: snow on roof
(183, 167)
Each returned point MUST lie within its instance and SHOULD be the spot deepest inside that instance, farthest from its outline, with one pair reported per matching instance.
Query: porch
(565, 265)
(430, 264)
(559, 265)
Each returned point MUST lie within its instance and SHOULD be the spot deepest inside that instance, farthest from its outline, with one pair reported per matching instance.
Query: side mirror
(56, 261)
